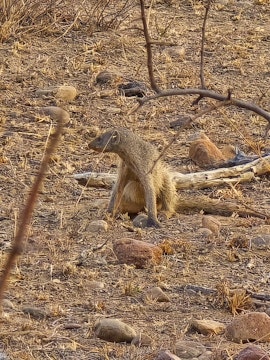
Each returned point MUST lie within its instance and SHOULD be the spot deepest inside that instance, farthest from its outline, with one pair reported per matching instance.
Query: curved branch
(201, 92)
(213, 95)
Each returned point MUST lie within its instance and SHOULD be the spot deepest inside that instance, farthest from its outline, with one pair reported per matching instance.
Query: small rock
(63, 92)
(133, 88)
(142, 340)
(189, 349)
(104, 77)
(205, 233)
(249, 327)
(166, 355)
(157, 294)
(261, 242)
(44, 92)
(252, 352)
(182, 122)
(114, 330)
(66, 92)
(97, 226)
(208, 327)
(206, 355)
(96, 284)
(99, 204)
(136, 252)
(71, 326)
(140, 221)
(34, 312)
(3, 356)
(7, 304)
(107, 77)
(211, 223)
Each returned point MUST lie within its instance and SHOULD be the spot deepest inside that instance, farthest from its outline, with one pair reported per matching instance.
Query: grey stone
(114, 330)
(189, 349)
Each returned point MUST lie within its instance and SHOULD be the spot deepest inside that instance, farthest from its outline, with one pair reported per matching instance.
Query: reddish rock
(136, 252)
(248, 327)
(211, 223)
(252, 352)
(204, 152)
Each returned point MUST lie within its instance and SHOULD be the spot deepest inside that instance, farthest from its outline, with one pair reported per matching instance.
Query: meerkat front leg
(118, 189)
(151, 202)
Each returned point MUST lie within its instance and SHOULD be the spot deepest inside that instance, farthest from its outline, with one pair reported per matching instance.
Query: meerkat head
(107, 142)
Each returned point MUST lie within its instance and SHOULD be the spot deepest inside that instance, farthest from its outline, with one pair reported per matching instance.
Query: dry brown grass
(58, 264)
(19, 18)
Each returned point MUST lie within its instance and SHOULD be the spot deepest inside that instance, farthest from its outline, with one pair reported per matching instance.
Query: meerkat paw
(143, 221)
(152, 223)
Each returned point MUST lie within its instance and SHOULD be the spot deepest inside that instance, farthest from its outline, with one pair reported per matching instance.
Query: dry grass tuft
(236, 300)
(63, 259)
(19, 18)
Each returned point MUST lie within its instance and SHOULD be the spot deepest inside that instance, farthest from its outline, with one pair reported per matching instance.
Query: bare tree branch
(207, 8)
(203, 86)
(213, 95)
(201, 92)
(29, 207)
(149, 50)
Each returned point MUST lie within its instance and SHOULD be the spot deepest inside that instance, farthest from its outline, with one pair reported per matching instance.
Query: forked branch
(192, 91)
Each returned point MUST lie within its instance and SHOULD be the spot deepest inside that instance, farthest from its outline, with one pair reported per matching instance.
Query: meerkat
(143, 179)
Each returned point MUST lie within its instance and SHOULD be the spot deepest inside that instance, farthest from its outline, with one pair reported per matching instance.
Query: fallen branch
(200, 180)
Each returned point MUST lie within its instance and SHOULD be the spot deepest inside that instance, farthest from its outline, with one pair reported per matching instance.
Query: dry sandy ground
(58, 263)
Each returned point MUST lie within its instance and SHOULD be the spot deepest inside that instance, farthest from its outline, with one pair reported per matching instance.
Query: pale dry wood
(204, 179)
(199, 180)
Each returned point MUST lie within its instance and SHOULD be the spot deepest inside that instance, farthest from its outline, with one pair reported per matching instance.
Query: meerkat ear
(115, 138)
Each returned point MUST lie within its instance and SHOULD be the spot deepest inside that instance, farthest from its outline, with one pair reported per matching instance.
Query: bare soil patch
(56, 271)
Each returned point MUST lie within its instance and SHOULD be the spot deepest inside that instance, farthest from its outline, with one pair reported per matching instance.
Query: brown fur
(137, 185)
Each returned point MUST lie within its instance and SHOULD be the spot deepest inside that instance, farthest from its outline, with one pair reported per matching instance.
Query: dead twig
(207, 8)
(213, 95)
(192, 91)
(203, 86)
(149, 50)
(26, 214)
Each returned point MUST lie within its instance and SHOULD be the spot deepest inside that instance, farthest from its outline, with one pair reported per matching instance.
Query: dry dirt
(58, 263)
